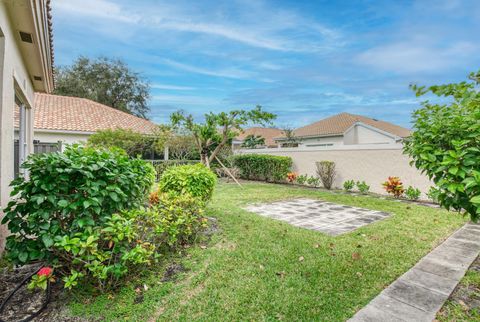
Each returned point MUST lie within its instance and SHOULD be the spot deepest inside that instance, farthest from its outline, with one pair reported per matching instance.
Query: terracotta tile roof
(54, 112)
(339, 123)
(267, 133)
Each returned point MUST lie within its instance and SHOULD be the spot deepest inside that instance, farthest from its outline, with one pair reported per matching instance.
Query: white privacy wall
(371, 163)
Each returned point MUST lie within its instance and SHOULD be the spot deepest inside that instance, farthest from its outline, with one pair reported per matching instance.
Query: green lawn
(261, 269)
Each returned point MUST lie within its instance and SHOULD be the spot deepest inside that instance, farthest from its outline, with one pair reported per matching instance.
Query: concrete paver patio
(326, 217)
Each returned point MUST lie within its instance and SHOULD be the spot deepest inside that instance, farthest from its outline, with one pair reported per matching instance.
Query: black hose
(25, 280)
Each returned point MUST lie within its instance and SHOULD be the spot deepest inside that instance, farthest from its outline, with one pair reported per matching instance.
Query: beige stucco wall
(13, 78)
(371, 163)
(360, 134)
(322, 140)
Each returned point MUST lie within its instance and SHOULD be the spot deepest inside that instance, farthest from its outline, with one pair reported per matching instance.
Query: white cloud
(226, 72)
(411, 57)
(95, 8)
(172, 87)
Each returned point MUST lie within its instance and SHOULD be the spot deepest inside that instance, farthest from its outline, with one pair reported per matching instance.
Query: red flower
(45, 271)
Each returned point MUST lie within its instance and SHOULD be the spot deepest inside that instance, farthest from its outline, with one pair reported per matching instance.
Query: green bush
(69, 193)
(263, 167)
(445, 145)
(348, 185)
(412, 193)
(196, 180)
(302, 179)
(313, 181)
(161, 165)
(363, 187)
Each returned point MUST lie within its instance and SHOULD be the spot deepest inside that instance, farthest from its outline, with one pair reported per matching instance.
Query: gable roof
(267, 133)
(338, 124)
(65, 113)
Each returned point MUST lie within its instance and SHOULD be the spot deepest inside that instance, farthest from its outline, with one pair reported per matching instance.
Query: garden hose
(25, 280)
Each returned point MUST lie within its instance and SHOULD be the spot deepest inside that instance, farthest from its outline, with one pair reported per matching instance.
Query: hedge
(263, 167)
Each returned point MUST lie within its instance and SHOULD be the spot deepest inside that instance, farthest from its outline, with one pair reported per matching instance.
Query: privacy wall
(371, 163)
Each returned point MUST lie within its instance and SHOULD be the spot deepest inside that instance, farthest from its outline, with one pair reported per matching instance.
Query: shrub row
(161, 165)
(263, 167)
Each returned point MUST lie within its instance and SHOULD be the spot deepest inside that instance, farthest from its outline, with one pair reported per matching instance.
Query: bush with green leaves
(263, 167)
(196, 180)
(327, 173)
(363, 187)
(69, 193)
(348, 185)
(412, 193)
(161, 165)
(302, 179)
(313, 181)
(432, 194)
(445, 145)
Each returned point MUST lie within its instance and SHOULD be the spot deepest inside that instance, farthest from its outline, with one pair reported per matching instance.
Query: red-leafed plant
(394, 186)
(291, 177)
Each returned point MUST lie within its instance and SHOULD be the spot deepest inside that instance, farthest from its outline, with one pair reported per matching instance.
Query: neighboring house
(73, 119)
(267, 133)
(26, 60)
(347, 129)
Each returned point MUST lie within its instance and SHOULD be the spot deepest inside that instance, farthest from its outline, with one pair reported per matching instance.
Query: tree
(291, 141)
(445, 143)
(217, 129)
(253, 141)
(182, 147)
(107, 81)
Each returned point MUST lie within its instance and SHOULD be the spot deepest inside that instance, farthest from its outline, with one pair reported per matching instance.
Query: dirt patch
(212, 227)
(171, 272)
(225, 245)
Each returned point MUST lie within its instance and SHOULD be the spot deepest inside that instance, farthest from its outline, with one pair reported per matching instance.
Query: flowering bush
(291, 177)
(40, 280)
(394, 186)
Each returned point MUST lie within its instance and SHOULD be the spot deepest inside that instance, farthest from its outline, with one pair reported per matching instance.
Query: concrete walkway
(418, 294)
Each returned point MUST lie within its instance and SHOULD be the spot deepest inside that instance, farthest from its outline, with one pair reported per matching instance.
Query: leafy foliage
(292, 177)
(327, 173)
(313, 181)
(433, 193)
(363, 187)
(412, 193)
(253, 141)
(302, 179)
(195, 180)
(263, 167)
(291, 140)
(182, 147)
(348, 185)
(445, 143)
(69, 193)
(107, 81)
(209, 140)
(394, 186)
(161, 165)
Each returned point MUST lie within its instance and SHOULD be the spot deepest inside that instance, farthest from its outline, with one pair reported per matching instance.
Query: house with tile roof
(73, 119)
(269, 134)
(347, 129)
(26, 60)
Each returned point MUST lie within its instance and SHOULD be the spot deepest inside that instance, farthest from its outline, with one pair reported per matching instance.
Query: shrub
(445, 146)
(302, 179)
(161, 165)
(348, 185)
(412, 193)
(394, 186)
(67, 195)
(263, 167)
(196, 180)
(313, 181)
(363, 187)
(291, 177)
(433, 193)
(326, 172)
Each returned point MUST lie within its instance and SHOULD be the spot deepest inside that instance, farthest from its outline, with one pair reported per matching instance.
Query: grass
(261, 269)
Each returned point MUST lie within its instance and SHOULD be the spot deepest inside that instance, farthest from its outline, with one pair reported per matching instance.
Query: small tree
(327, 173)
(253, 141)
(217, 129)
(445, 143)
(291, 140)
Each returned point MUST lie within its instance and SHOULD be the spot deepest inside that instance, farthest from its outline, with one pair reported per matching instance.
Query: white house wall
(364, 135)
(65, 137)
(12, 70)
(335, 140)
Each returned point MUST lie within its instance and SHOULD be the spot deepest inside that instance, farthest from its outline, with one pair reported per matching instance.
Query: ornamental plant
(348, 185)
(327, 173)
(41, 278)
(196, 180)
(313, 181)
(263, 167)
(363, 187)
(394, 186)
(71, 195)
(445, 146)
(302, 179)
(412, 193)
(291, 177)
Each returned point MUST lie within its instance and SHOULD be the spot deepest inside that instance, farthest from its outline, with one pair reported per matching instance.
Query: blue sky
(303, 60)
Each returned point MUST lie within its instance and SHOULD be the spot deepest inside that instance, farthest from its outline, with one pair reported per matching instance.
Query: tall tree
(217, 129)
(107, 81)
